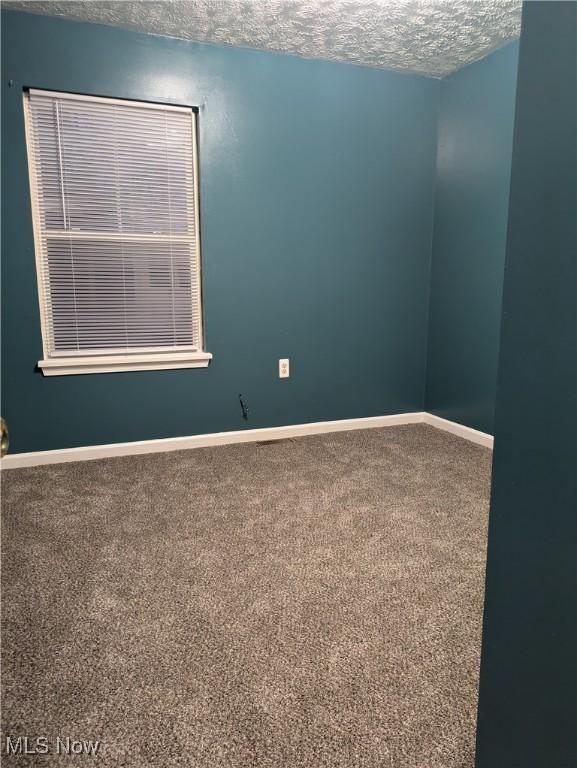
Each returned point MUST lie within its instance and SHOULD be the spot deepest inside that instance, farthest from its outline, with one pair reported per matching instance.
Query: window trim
(63, 364)
(54, 366)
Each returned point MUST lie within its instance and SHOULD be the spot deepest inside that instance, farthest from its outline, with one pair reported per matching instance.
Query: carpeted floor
(307, 604)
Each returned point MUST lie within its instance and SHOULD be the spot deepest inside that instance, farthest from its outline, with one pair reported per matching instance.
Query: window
(115, 208)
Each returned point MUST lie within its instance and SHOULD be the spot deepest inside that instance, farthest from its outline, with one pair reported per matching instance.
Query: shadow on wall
(476, 118)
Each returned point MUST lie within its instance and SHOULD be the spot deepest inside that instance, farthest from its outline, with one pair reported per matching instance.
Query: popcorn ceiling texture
(429, 37)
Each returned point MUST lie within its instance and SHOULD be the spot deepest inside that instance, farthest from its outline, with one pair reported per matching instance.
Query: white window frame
(66, 363)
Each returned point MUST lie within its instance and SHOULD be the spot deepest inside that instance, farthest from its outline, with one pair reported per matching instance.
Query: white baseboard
(481, 438)
(203, 441)
(87, 453)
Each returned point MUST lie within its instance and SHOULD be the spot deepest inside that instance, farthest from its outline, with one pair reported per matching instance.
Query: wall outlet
(283, 368)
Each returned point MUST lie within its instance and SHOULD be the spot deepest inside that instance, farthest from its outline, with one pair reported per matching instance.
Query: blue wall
(316, 194)
(473, 173)
(528, 685)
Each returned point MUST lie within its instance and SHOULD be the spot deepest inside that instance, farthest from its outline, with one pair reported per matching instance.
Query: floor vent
(275, 442)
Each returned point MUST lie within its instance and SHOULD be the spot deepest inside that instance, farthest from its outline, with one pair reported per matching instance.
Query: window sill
(66, 366)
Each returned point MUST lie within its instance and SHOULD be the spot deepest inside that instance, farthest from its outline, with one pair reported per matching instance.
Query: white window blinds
(116, 225)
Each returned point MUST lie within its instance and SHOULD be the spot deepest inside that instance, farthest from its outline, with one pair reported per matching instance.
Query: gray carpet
(306, 604)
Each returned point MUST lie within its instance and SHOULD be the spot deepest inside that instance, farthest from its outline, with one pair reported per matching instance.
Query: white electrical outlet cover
(283, 368)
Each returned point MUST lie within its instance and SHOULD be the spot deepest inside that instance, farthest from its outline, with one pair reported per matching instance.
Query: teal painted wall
(476, 115)
(528, 688)
(317, 185)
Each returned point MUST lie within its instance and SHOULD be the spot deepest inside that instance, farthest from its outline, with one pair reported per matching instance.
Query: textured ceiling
(431, 37)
